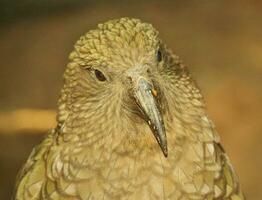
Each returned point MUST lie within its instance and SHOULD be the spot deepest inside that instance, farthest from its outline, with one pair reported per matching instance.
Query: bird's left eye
(159, 55)
(99, 75)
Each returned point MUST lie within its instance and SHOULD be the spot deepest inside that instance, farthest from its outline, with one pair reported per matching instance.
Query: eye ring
(159, 55)
(99, 75)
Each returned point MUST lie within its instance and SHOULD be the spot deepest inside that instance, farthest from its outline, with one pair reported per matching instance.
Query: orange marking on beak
(154, 92)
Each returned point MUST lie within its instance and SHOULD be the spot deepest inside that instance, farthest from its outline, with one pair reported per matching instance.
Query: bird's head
(120, 76)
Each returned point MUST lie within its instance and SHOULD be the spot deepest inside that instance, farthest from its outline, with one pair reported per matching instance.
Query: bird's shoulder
(32, 175)
(227, 184)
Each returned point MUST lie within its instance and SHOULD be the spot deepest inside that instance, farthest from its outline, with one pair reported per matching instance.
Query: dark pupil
(99, 75)
(159, 56)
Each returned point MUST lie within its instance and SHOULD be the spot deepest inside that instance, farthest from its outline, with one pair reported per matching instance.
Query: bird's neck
(122, 136)
(185, 120)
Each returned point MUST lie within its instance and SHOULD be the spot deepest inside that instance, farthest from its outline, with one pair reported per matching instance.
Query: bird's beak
(145, 96)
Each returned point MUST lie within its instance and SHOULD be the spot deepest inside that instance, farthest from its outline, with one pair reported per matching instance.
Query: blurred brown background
(221, 41)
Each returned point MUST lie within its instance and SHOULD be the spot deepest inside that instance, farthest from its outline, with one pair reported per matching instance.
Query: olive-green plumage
(131, 124)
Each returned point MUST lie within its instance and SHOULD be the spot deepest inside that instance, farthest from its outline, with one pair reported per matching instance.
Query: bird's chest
(105, 174)
(125, 177)
(115, 176)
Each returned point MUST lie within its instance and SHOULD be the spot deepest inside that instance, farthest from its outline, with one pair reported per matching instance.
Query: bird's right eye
(99, 75)
(159, 55)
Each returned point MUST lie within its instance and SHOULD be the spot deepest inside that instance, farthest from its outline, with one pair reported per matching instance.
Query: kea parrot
(131, 125)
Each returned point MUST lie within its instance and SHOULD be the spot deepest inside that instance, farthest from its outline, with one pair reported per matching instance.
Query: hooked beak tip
(162, 142)
(165, 152)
